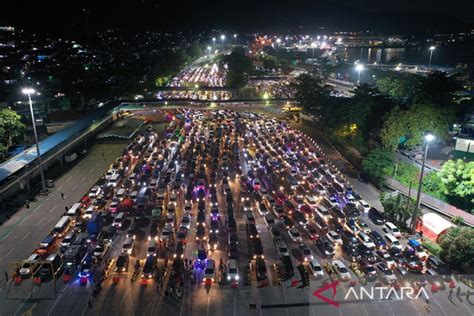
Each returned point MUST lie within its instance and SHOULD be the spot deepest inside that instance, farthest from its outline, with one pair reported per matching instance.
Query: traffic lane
(48, 209)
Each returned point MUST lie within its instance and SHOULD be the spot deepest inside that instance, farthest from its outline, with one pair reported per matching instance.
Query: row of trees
(240, 68)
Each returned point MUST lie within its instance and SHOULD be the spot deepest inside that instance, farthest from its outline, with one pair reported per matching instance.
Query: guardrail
(432, 203)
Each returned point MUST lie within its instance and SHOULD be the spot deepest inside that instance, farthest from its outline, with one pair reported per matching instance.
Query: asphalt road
(21, 234)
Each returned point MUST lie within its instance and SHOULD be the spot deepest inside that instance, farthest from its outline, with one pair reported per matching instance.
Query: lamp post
(209, 49)
(222, 40)
(428, 138)
(278, 40)
(359, 68)
(235, 39)
(313, 45)
(28, 92)
(432, 48)
(214, 42)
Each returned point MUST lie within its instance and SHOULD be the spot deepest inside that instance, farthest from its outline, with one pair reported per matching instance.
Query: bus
(75, 210)
(62, 226)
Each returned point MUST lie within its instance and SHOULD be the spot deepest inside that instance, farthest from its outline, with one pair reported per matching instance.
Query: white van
(209, 272)
(89, 212)
(114, 179)
(390, 228)
(232, 270)
(366, 240)
(151, 251)
(75, 210)
(392, 241)
(119, 219)
(128, 245)
(120, 193)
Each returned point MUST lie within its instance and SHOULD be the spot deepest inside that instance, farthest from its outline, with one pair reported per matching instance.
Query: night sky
(241, 15)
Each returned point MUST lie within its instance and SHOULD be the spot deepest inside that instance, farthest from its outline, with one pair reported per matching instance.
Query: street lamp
(359, 68)
(235, 39)
(209, 49)
(313, 45)
(432, 48)
(278, 41)
(214, 42)
(28, 92)
(222, 40)
(428, 138)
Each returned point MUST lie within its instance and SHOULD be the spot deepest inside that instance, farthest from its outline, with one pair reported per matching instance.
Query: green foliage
(313, 94)
(432, 247)
(457, 246)
(406, 172)
(412, 123)
(377, 162)
(458, 220)
(240, 67)
(437, 88)
(169, 62)
(433, 185)
(457, 179)
(161, 81)
(195, 50)
(398, 84)
(11, 130)
(270, 62)
(398, 209)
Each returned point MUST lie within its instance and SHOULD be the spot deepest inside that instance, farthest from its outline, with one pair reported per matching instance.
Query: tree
(457, 179)
(377, 163)
(270, 62)
(398, 209)
(240, 67)
(437, 88)
(408, 126)
(313, 94)
(399, 85)
(195, 50)
(457, 246)
(11, 129)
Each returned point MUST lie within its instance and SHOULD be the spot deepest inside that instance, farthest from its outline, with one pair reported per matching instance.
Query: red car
(86, 201)
(306, 210)
(312, 231)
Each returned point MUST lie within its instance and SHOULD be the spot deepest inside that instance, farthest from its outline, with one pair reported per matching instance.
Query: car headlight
(228, 277)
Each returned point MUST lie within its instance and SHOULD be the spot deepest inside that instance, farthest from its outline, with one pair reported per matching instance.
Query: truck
(94, 225)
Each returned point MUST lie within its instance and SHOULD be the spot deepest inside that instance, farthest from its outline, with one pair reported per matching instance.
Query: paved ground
(24, 231)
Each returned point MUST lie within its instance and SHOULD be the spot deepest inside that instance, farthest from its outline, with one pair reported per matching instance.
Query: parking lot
(229, 212)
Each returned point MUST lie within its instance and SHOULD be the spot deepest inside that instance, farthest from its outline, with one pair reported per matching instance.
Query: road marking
(8, 253)
(83, 178)
(53, 208)
(24, 237)
(436, 301)
(60, 187)
(41, 220)
(208, 301)
(92, 170)
(74, 188)
(69, 179)
(30, 311)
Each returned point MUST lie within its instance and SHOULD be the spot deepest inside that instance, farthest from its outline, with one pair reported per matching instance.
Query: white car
(364, 206)
(341, 269)
(232, 270)
(390, 228)
(334, 237)
(366, 240)
(166, 233)
(188, 207)
(95, 191)
(316, 268)
(89, 212)
(295, 234)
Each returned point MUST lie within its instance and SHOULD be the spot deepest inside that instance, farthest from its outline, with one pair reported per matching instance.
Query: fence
(431, 202)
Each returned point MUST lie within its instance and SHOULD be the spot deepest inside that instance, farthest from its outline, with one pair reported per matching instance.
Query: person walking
(66, 208)
(62, 195)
